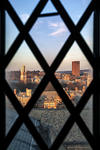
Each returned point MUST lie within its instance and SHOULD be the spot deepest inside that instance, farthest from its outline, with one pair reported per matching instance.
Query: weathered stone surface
(49, 123)
(23, 139)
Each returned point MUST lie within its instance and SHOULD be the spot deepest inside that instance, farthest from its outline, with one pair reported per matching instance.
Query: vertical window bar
(2, 76)
(96, 101)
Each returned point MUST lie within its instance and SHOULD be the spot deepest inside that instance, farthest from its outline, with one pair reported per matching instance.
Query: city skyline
(41, 70)
(23, 83)
(53, 31)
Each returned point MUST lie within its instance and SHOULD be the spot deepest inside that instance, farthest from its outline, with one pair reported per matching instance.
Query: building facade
(76, 68)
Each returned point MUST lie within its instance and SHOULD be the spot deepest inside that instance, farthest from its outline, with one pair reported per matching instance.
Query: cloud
(53, 24)
(58, 28)
(58, 32)
(24, 17)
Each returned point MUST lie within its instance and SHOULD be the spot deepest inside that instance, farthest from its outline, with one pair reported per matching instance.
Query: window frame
(94, 60)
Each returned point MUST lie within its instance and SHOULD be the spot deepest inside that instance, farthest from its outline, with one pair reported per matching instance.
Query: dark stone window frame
(93, 58)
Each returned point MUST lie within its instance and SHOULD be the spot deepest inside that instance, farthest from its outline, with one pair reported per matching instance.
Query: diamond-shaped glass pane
(75, 8)
(11, 32)
(49, 8)
(24, 74)
(75, 140)
(87, 32)
(49, 35)
(24, 8)
(23, 140)
(11, 115)
(74, 73)
(87, 114)
(51, 112)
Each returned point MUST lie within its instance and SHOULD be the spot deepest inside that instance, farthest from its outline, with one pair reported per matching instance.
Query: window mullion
(96, 101)
(2, 76)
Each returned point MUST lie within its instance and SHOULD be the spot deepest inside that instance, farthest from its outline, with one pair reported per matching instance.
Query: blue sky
(49, 34)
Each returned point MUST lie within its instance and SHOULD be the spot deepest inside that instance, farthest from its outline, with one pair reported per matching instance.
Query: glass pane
(11, 32)
(24, 74)
(24, 8)
(74, 73)
(11, 115)
(75, 140)
(49, 8)
(51, 112)
(49, 34)
(87, 32)
(75, 8)
(23, 140)
(87, 114)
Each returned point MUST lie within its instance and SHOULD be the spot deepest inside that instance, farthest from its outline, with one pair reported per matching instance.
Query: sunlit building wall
(76, 68)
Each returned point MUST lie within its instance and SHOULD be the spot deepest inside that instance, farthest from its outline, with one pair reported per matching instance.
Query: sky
(49, 34)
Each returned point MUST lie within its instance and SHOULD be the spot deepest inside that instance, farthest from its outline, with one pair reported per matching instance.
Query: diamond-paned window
(23, 125)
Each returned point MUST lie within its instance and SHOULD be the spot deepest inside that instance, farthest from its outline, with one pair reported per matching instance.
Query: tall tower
(76, 68)
(22, 75)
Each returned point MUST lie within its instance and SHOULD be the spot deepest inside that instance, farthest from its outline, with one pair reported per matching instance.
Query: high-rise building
(23, 74)
(76, 68)
(23, 69)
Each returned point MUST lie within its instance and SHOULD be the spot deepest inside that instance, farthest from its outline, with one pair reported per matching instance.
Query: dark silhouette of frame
(93, 58)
